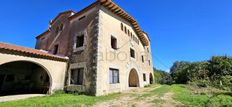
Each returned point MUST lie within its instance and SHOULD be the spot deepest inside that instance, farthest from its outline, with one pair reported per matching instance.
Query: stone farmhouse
(98, 50)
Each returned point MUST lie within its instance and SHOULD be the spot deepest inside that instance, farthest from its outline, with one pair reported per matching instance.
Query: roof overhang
(123, 14)
(29, 52)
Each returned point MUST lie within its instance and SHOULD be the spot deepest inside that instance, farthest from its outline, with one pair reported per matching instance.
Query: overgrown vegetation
(209, 82)
(191, 96)
(162, 77)
(216, 72)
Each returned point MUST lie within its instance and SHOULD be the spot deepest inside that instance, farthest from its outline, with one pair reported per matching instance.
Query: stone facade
(95, 55)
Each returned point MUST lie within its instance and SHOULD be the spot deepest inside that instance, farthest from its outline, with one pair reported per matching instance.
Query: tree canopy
(217, 72)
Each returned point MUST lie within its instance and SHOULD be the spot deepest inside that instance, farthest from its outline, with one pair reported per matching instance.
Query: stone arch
(133, 80)
(26, 77)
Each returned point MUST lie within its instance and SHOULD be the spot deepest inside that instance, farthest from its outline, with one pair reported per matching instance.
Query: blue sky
(190, 30)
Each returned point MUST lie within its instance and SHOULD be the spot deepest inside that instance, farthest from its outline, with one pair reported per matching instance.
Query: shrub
(220, 101)
(227, 82)
(200, 83)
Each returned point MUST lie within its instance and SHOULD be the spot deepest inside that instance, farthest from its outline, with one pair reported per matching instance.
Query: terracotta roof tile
(19, 50)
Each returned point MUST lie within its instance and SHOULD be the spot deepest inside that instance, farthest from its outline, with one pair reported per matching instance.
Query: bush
(200, 83)
(220, 101)
(227, 82)
(162, 77)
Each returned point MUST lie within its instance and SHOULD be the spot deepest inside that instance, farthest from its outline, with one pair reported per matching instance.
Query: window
(128, 32)
(144, 77)
(125, 29)
(56, 48)
(80, 41)
(132, 53)
(121, 26)
(142, 58)
(77, 76)
(113, 42)
(81, 18)
(149, 62)
(148, 50)
(114, 76)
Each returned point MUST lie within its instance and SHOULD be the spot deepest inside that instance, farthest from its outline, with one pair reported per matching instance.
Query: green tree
(180, 72)
(220, 66)
(162, 77)
(198, 71)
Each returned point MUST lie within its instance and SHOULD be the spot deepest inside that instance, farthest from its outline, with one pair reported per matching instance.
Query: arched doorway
(133, 78)
(151, 78)
(23, 77)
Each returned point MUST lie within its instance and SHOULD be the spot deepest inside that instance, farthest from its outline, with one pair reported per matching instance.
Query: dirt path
(133, 98)
(169, 102)
(128, 99)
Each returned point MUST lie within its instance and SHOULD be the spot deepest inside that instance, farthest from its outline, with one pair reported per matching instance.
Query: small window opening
(143, 59)
(81, 18)
(77, 76)
(144, 77)
(80, 41)
(132, 53)
(121, 26)
(125, 29)
(56, 48)
(113, 42)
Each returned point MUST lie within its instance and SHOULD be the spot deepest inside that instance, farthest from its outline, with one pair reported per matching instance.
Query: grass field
(59, 100)
(154, 95)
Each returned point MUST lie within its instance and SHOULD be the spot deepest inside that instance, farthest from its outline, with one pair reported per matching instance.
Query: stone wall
(86, 56)
(110, 25)
(96, 56)
(57, 38)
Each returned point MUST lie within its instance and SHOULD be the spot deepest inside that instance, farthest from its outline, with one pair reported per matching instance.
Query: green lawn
(59, 100)
(181, 93)
(187, 97)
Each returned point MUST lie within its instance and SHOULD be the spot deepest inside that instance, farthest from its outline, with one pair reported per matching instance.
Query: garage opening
(22, 77)
(133, 78)
(151, 78)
